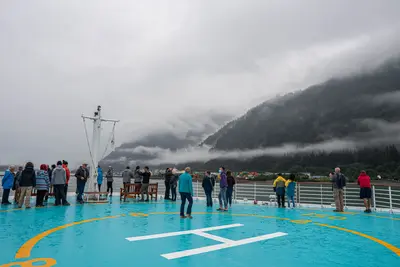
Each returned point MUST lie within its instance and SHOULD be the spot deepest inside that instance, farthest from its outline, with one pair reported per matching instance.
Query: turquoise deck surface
(314, 237)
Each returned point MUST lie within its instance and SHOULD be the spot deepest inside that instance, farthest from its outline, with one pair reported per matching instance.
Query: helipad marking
(146, 237)
(226, 243)
(191, 252)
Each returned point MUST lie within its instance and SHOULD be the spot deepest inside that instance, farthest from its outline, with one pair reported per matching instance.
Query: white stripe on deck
(146, 237)
(190, 252)
(213, 237)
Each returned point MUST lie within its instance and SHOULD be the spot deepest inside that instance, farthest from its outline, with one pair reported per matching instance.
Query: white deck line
(191, 252)
(213, 237)
(146, 237)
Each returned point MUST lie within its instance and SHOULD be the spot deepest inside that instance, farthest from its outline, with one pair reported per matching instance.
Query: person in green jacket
(186, 192)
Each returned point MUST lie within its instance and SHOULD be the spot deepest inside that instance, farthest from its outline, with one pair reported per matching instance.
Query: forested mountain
(339, 108)
(361, 109)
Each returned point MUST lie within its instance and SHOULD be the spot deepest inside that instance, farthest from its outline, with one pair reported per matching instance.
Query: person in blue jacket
(7, 182)
(186, 192)
(99, 177)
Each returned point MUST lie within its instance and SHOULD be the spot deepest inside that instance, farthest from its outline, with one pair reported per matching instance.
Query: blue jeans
(288, 201)
(81, 188)
(222, 198)
(187, 196)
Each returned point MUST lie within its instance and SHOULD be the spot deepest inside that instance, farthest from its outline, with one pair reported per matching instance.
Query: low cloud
(381, 133)
(204, 154)
(388, 98)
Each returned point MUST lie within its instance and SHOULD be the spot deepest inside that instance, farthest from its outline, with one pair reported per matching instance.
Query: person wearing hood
(279, 188)
(167, 182)
(16, 185)
(7, 183)
(99, 177)
(208, 186)
(110, 180)
(42, 185)
(68, 173)
(364, 181)
(291, 189)
(27, 182)
(223, 185)
(82, 174)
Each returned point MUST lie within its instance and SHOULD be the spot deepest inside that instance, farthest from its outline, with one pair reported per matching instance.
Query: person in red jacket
(65, 167)
(365, 190)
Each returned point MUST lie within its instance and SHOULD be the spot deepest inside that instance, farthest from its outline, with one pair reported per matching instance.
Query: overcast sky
(147, 62)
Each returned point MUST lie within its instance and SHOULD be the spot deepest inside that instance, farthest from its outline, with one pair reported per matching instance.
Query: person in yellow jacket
(279, 188)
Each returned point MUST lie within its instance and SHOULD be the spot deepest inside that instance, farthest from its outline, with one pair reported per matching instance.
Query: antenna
(94, 148)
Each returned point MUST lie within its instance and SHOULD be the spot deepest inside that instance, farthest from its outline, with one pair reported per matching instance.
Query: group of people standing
(28, 180)
(284, 187)
(227, 183)
(141, 180)
(171, 183)
(109, 179)
(339, 183)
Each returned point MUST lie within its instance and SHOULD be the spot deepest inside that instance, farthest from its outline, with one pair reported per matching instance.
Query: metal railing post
(390, 200)
(197, 189)
(299, 195)
(255, 191)
(345, 198)
(373, 196)
(322, 204)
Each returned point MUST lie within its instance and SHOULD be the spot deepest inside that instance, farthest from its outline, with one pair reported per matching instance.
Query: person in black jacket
(145, 183)
(167, 182)
(27, 182)
(231, 183)
(174, 185)
(82, 174)
(208, 186)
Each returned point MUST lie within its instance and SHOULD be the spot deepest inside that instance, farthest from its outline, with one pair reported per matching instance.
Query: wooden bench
(50, 193)
(133, 191)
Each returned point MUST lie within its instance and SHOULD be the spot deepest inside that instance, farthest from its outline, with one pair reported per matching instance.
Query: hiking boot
(67, 204)
(189, 216)
(183, 217)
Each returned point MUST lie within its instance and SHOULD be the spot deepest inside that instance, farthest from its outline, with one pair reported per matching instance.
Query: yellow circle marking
(383, 243)
(138, 214)
(25, 250)
(48, 262)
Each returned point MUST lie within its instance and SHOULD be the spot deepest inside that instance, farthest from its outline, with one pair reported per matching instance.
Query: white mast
(94, 151)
